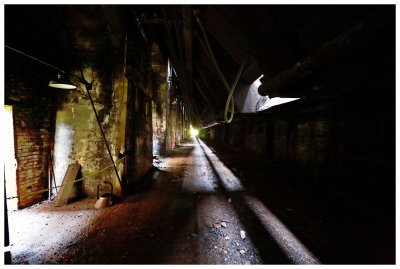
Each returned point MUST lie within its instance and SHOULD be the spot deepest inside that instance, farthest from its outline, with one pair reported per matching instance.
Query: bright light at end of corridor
(193, 132)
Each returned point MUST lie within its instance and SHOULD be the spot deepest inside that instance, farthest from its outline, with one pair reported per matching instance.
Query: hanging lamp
(62, 83)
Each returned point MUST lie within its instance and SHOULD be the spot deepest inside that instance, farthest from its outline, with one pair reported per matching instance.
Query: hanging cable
(208, 48)
(230, 90)
(230, 96)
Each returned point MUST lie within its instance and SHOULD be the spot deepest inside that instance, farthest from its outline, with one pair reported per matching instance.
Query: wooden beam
(67, 184)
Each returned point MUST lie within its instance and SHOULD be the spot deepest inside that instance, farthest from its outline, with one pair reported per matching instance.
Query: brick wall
(32, 136)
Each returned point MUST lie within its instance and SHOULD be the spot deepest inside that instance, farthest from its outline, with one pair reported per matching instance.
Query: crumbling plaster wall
(175, 122)
(168, 118)
(77, 137)
(160, 100)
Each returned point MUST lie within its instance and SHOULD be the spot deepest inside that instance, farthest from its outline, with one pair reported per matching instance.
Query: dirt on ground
(179, 215)
(193, 209)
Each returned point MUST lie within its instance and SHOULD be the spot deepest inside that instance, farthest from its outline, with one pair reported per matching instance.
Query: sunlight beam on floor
(295, 251)
(287, 241)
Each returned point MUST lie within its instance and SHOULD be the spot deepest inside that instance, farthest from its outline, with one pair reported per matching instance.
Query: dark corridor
(200, 134)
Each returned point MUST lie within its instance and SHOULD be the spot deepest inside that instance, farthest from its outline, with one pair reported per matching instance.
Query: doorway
(10, 163)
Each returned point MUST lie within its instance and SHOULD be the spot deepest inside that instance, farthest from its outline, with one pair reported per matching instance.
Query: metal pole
(102, 134)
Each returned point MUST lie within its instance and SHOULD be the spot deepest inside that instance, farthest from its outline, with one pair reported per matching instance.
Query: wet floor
(191, 210)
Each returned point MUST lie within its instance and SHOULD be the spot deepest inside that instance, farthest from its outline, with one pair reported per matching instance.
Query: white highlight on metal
(257, 82)
(276, 101)
(254, 102)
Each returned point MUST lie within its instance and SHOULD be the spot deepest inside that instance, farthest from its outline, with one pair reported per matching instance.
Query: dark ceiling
(298, 48)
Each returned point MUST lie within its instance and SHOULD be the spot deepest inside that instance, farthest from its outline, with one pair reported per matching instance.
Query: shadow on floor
(335, 229)
(269, 250)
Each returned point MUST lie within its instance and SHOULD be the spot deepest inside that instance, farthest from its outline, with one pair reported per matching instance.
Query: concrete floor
(192, 210)
(339, 224)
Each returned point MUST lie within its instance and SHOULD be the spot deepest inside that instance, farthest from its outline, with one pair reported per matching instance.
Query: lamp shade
(61, 83)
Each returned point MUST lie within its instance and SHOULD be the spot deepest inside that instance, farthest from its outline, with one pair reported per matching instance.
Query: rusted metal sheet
(66, 187)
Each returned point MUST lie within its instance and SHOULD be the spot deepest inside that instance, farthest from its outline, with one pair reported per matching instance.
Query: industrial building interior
(199, 134)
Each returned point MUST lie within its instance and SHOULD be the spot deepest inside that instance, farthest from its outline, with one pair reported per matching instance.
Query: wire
(230, 90)
(230, 98)
(81, 79)
(20, 52)
(207, 46)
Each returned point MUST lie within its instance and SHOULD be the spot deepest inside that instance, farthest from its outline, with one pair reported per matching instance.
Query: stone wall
(160, 100)
(345, 148)
(139, 132)
(168, 121)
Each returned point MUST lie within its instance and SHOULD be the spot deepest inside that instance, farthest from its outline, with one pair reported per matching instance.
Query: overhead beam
(284, 83)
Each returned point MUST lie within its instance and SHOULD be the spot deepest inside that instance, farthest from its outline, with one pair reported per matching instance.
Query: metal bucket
(105, 199)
